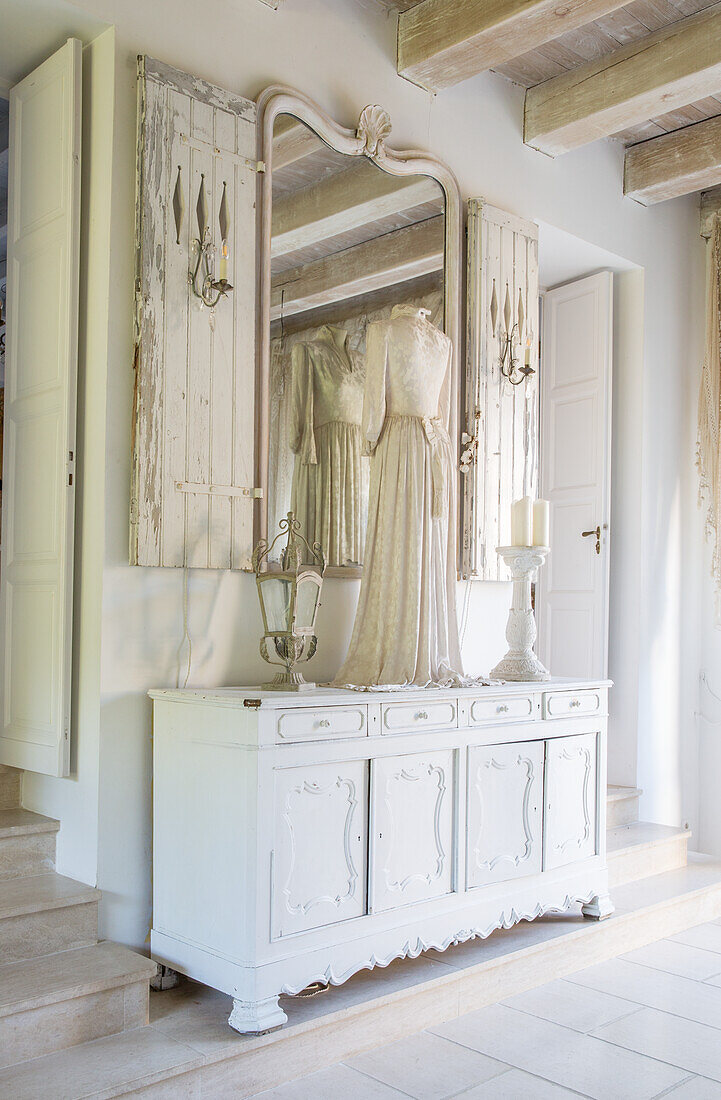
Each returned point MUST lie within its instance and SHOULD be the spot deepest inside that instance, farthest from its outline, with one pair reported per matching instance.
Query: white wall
(342, 53)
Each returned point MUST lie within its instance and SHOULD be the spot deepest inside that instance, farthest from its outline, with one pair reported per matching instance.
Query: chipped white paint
(193, 466)
(501, 418)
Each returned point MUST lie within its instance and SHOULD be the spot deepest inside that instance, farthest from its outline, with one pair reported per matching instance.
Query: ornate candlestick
(521, 663)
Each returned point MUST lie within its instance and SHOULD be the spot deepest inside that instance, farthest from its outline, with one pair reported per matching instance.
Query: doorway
(611, 578)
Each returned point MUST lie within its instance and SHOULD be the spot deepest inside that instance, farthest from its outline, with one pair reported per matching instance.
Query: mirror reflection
(349, 243)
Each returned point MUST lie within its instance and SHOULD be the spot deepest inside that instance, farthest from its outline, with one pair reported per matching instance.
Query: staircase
(74, 1012)
(58, 985)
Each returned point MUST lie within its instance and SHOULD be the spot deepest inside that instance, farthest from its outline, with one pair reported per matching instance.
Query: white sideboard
(301, 837)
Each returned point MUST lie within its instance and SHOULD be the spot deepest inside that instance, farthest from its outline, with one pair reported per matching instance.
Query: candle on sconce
(541, 523)
(527, 359)
(224, 260)
(522, 522)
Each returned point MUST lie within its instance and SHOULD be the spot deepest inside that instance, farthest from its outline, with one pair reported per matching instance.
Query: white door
(319, 857)
(505, 794)
(570, 813)
(412, 828)
(576, 367)
(40, 404)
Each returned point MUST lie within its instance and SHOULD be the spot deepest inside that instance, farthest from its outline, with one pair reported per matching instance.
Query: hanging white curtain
(709, 409)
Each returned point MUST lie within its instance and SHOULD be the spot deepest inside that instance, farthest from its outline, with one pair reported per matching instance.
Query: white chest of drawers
(303, 837)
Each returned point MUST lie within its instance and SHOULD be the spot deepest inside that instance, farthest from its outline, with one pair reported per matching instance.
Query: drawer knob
(324, 723)
(502, 708)
(575, 703)
(422, 715)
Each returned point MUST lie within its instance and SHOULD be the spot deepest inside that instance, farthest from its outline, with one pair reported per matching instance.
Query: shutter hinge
(71, 466)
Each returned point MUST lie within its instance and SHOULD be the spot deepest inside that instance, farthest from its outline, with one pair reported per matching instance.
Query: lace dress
(325, 436)
(405, 629)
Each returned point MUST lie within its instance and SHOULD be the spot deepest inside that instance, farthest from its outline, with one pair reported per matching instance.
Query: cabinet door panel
(321, 816)
(570, 805)
(505, 794)
(413, 828)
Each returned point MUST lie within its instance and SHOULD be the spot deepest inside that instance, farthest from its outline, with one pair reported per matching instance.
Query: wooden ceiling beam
(674, 164)
(441, 42)
(293, 141)
(384, 261)
(344, 202)
(674, 66)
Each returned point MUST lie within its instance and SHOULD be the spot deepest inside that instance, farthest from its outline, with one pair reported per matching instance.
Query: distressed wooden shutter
(501, 418)
(193, 465)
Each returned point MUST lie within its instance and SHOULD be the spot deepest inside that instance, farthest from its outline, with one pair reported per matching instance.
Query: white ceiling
(33, 29)
(562, 257)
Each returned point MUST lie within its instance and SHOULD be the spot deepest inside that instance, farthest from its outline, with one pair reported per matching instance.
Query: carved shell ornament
(374, 126)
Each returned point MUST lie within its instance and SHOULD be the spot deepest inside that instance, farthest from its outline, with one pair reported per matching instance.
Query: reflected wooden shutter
(502, 418)
(193, 462)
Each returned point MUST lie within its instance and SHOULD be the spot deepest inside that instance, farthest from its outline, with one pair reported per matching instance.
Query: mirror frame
(366, 140)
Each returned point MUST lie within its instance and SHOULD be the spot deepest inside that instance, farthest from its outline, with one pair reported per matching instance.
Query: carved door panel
(505, 797)
(412, 828)
(570, 810)
(321, 829)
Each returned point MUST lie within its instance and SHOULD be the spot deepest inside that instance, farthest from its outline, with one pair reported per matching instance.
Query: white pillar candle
(522, 522)
(541, 523)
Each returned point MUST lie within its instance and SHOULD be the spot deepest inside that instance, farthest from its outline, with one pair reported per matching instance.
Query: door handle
(593, 534)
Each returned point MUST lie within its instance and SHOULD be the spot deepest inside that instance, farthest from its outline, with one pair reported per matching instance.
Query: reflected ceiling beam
(344, 202)
(651, 76)
(674, 164)
(385, 261)
(441, 42)
(293, 141)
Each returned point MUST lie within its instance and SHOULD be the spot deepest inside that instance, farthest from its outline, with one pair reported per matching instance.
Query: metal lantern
(289, 600)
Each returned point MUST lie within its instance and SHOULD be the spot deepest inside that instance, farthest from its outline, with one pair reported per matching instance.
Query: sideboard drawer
(510, 708)
(307, 724)
(420, 715)
(569, 704)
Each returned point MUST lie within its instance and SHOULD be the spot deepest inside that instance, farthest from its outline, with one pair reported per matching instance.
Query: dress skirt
(328, 495)
(405, 628)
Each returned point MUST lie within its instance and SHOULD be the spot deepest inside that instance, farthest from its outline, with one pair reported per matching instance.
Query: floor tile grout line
(464, 1092)
(674, 973)
(576, 1031)
(369, 1076)
(652, 1057)
(672, 1088)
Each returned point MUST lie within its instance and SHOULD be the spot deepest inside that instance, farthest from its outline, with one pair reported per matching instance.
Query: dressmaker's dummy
(325, 436)
(406, 629)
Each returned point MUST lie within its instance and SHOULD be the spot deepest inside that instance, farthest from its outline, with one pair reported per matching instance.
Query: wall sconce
(289, 601)
(201, 279)
(510, 338)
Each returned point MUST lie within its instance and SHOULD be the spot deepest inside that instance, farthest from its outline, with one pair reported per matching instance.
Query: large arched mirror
(351, 230)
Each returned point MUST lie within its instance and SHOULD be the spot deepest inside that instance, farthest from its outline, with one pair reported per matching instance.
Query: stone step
(621, 805)
(44, 914)
(113, 1066)
(641, 849)
(189, 1050)
(9, 787)
(57, 1001)
(27, 843)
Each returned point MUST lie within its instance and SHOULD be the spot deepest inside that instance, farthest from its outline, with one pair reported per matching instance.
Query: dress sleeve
(374, 397)
(301, 430)
(444, 401)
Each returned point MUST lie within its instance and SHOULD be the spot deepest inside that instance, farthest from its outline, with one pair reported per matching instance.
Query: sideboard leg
(252, 1017)
(598, 908)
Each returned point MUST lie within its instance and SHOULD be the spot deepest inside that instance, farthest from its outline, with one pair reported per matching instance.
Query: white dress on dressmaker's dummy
(406, 630)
